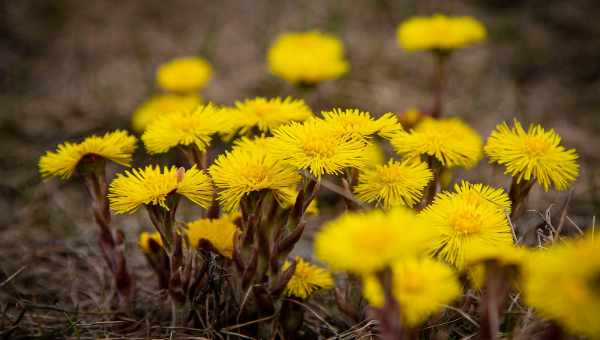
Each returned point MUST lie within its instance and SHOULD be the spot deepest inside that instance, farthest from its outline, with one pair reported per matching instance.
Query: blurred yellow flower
(410, 117)
(117, 146)
(463, 220)
(267, 114)
(439, 32)
(452, 142)
(159, 105)
(307, 279)
(151, 186)
(184, 75)
(421, 286)
(149, 241)
(533, 155)
(395, 183)
(363, 243)
(317, 147)
(307, 57)
(215, 234)
(359, 124)
(184, 128)
(249, 168)
(374, 154)
(563, 284)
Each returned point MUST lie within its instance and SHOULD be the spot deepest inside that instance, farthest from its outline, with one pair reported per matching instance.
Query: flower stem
(439, 83)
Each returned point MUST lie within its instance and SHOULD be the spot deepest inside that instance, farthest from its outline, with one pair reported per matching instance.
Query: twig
(12, 276)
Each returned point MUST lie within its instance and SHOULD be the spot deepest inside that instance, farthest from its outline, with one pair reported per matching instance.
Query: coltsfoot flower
(465, 219)
(573, 272)
(395, 183)
(307, 57)
(149, 241)
(184, 75)
(452, 142)
(364, 243)
(477, 193)
(217, 234)
(439, 32)
(360, 124)
(421, 286)
(181, 128)
(533, 155)
(152, 186)
(162, 104)
(307, 279)
(318, 147)
(248, 168)
(268, 114)
(117, 146)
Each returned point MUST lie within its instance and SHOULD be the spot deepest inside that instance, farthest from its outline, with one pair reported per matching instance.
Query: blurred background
(69, 68)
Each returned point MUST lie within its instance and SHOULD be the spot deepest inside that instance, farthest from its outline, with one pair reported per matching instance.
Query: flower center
(318, 148)
(255, 174)
(466, 223)
(389, 175)
(536, 146)
(412, 282)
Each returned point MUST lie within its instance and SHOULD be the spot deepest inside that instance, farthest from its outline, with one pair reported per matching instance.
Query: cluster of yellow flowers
(403, 245)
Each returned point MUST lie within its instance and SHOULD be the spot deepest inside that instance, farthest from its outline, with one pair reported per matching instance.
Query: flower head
(363, 243)
(360, 124)
(307, 57)
(439, 32)
(466, 219)
(214, 234)
(477, 193)
(149, 242)
(161, 104)
(531, 155)
(250, 168)
(573, 270)
(317, 147)
(184, 75)
(152, 186)
(268, 114)
(452, 142)
(374, 154)
(421, 286)
(395, 183)
(307, 279)
(117, 146)
(193, 127)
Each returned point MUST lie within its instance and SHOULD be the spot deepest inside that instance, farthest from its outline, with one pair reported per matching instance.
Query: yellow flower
(477, 193)
(161, 104)
(396, 183)
(439, 32)
(410, 117)
(317, 147)
(307, 57)
(421, 286)
(359, 124)
(466, 219)
(184, 75)
(219, 233)
(267, 114)
(307, 279)
(452, 142)
(374, 154)
(149, 241)
(250, 168)
(183, 128)
(363, 243)
(117, 146)
(151, 186)
(563, 284)
(533, 155)
(506, 255)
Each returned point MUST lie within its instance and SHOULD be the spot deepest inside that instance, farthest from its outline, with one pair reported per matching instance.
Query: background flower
(184, 75)
(307, 279)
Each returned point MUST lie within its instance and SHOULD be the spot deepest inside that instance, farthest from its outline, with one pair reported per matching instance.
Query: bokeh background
(69, 68)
